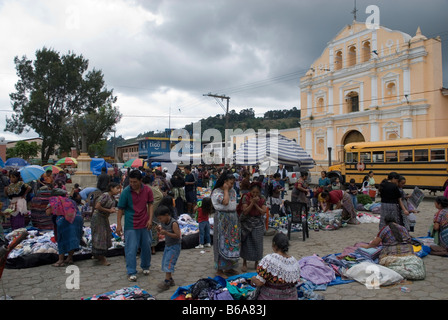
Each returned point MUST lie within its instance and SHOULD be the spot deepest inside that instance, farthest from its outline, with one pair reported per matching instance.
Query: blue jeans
(354, 200)
(170, 256)
(204, 232)
(283, 184)
(134, 239)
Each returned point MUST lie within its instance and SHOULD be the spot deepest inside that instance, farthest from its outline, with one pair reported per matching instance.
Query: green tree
(50, 92)
(23, 150)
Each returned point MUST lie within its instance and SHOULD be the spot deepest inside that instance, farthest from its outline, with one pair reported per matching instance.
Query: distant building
(127, 151)
(53, 158)
(372, 85)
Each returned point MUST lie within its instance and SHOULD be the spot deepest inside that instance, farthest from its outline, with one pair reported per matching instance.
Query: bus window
(366, 157)
(378, 156)
(405, 155)
(421, 155)
(391, 156)
(351, 157)
(437, 154)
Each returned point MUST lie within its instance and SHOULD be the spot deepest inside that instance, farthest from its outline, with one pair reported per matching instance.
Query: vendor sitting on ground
(440, 246)
(277, 273)
(341, 199)
(397, 252)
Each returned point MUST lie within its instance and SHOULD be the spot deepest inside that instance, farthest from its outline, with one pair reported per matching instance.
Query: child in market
(170, 229)
(353, 192)
(204, 212)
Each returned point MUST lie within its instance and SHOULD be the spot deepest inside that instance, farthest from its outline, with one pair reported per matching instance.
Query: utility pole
(226, 110)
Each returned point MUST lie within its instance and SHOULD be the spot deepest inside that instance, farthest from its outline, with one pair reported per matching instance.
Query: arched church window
(338, 60)
(366, 51)
(351, 56)
(352, 100)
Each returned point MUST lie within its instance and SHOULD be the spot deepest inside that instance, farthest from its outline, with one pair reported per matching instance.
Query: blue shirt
(324, 182)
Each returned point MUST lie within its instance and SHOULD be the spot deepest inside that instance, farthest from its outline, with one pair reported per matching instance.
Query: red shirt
(254, 212)
(201, 216)
(336, 196)
(135, 206)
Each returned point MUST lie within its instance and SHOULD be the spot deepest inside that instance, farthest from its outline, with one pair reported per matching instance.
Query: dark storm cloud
(225, 44)
(158, 54)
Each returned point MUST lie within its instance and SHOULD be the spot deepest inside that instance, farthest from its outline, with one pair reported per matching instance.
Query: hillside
(245, 119)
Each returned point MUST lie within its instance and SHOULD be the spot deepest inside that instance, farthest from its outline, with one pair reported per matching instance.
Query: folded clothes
(316, 270)
(370, 253)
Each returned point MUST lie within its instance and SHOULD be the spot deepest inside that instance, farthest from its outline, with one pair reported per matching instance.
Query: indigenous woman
(226, 241)
(391, 199)
(101, 232)
(277, 273)
(69, 224)
(397, 252)
(341, 199)
(252, 225)
(17, 191)
(440, 227)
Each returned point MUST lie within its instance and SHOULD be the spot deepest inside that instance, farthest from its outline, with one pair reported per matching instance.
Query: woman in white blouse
(278, 273)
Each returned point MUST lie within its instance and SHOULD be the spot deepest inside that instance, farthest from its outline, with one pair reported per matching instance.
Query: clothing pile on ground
(187, 225)
(130, 293)
(203, 193)
(281, 225)
(374, 207)
(354, 263)
(234, 288)
(330, 220)
(40, 248)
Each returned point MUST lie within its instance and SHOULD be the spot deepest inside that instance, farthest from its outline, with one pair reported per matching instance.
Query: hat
(165, 169)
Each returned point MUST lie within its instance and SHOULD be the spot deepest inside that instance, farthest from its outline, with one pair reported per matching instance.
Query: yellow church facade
(372, 85)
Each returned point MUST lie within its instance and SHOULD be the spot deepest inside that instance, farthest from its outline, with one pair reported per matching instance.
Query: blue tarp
(97, 164)
(2, 164)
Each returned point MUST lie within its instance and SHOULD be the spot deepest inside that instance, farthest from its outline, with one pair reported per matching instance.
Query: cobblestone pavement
(49, 283)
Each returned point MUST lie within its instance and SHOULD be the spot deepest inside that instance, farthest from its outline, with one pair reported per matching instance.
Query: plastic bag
(373, 275)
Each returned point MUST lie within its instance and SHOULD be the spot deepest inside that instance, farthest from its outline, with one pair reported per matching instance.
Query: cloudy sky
(162, 56)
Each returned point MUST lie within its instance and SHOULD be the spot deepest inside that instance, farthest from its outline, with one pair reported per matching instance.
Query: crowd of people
(148, 202)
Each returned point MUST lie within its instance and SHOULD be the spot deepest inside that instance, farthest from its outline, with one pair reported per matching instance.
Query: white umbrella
(277, 148)
(268, 167)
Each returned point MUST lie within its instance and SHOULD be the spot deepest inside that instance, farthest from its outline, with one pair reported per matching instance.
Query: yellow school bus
(423, 162)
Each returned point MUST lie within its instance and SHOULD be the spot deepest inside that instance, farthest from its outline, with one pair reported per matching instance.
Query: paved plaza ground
(49, 283)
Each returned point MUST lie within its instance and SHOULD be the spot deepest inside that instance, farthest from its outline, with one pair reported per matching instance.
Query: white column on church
(374, 89)
(309, 104)
(407, 128)
(374, 129)
(309, 141)
(330, 100)
(407, 83)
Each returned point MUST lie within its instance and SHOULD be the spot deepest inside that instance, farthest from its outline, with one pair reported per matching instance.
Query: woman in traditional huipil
(226, 242)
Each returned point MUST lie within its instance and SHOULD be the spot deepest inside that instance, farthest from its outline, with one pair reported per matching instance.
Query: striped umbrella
(133, 163)
(54, 169)
(68, 161)
(275, 148)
